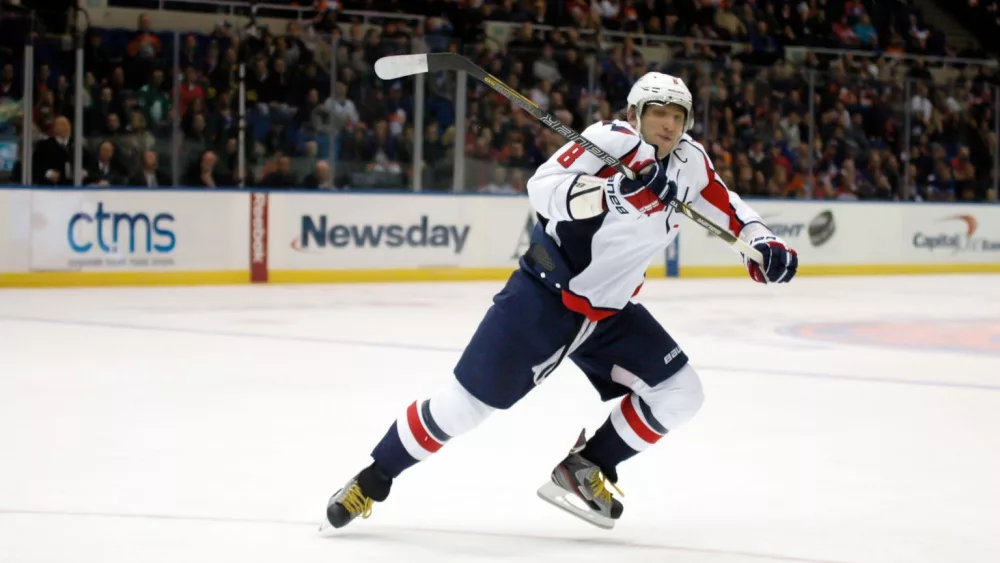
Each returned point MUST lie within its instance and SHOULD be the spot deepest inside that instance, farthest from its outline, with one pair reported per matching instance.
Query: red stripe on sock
(646, 433)
(419, 432)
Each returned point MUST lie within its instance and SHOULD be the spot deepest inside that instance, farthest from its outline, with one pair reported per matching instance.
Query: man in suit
(319, 178)
(282, 176)
(103, 172)
(150, 176)
(204, 173)
(52, 164)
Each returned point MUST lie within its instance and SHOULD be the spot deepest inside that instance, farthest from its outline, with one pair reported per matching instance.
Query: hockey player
(571, 298)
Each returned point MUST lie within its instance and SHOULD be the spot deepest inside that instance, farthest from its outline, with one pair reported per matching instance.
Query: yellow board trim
(848, 270)
(233, 277)
(102, 279)
(106, 279)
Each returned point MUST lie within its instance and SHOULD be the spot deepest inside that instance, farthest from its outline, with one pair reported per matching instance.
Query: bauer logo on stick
(513, 95)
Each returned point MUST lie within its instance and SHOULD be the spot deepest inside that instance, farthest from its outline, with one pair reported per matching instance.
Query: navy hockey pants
(528, 331)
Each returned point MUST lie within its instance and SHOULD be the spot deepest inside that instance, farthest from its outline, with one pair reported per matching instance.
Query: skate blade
(566, 500)
(325, 525)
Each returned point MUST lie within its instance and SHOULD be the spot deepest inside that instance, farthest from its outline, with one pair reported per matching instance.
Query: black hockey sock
(416, 436)
(390, 454)
(375, 483)
(630, 429)
(606, 449)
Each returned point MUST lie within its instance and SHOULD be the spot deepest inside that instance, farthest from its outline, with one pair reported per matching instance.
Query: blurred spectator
(53, 158)
(341, 109)
(103, 172)
(149, 175)
(190, 90)
(319, 178)
(155, 101)
(205, 173)
(282, 176)
(499, 183)
(9, 86)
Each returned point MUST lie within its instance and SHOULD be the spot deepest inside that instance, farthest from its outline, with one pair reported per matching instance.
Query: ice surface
(212, 424)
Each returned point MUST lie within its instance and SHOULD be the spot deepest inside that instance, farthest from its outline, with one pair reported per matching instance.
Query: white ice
(212, 424)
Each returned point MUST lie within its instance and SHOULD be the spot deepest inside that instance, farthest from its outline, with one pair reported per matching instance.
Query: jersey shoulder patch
(619, 127)
(616, 137)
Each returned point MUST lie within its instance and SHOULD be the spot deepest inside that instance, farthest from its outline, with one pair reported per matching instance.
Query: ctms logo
(118, 233)
(316, 232)
(959, 236)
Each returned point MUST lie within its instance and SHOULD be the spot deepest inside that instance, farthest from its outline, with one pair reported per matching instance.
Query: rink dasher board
(66, 237)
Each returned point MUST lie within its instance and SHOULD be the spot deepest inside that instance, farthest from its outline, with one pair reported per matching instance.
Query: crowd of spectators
(867, 126)
(879, 127)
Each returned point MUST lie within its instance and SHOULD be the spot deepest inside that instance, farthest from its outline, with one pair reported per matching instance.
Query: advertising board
(370, 231)
(15, 230)
(951, 234)
(821, 232)
(138, 230)
(864, 238)
(106, 237)
(6, 233)
(259, 202)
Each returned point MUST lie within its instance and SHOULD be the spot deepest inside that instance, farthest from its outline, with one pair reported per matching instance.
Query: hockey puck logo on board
(822, 228)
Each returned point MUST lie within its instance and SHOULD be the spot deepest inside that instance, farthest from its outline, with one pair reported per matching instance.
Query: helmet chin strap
(638, 120)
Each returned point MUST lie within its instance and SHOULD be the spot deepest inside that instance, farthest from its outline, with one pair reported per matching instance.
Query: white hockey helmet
(663, 89)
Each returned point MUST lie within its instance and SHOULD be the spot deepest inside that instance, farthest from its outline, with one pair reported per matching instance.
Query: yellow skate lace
(357, 503)
(598, 488)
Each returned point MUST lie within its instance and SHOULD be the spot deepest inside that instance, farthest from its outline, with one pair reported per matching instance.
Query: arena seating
(982, 18)
(781, 115)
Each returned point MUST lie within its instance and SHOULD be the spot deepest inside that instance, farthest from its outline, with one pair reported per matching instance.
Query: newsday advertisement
(362, 231)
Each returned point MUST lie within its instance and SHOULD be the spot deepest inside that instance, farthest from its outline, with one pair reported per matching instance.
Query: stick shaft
(452, 61)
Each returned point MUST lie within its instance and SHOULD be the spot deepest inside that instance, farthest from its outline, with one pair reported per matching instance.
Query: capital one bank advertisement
(362, 231)
(103, 230)
(952, 233)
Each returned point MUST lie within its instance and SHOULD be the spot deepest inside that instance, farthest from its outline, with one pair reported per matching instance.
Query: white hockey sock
(635, 423)
(427, 425)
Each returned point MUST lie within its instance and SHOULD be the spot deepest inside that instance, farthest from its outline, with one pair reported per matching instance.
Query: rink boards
(159, 237)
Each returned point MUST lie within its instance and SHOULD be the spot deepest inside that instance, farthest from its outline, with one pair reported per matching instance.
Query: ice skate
(357, 497)
(578, 487)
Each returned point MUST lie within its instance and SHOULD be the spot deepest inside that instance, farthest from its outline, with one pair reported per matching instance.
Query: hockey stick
(398, 66)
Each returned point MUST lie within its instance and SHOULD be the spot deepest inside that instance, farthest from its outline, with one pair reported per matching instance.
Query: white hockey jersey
(607, 255)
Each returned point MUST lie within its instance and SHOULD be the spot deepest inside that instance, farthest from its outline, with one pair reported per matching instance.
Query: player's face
(663, 126)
